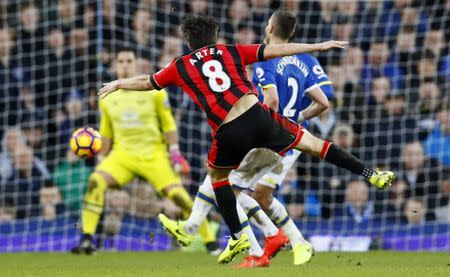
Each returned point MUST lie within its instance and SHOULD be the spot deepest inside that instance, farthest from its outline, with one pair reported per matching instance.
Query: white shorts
(263, 166)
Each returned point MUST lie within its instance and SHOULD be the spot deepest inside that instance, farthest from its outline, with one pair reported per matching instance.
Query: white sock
(203, 202)
(255, 248)
(257, 216)
(278, 214)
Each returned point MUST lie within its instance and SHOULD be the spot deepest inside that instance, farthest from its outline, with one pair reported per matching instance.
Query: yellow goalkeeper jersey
(136, 120)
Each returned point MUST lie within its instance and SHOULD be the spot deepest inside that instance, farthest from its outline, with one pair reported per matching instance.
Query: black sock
(337, 156)
(226, 201)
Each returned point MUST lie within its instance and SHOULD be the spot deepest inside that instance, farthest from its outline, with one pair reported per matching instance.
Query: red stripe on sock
(220, 184)
(326, 146)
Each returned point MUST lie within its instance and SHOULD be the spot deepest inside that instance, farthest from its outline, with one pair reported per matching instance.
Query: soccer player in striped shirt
(214, 76)
(289, 85)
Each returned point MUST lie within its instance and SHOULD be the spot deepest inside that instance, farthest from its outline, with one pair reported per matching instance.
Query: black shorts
(259, 127)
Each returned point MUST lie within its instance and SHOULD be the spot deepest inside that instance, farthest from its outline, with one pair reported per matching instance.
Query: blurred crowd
(392, 104)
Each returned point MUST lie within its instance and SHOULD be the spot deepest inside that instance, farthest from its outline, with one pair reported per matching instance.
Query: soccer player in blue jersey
(297, 87)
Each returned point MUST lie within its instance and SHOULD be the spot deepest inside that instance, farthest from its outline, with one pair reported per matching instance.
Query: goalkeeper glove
(179, 163)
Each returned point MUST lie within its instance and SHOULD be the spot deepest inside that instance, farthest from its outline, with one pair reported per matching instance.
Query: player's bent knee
(310, 144)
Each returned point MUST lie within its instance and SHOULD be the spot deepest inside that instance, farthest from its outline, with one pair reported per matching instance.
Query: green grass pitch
(173, 264)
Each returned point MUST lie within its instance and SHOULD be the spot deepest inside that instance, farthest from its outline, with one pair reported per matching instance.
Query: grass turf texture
(172, 264)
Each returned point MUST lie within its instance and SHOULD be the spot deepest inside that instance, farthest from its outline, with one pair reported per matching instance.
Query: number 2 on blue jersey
(288, 111)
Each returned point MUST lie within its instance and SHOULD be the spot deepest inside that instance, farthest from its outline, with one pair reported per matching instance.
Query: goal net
(391, 109)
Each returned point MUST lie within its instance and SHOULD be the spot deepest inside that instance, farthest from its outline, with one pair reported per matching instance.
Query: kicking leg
(339, 157)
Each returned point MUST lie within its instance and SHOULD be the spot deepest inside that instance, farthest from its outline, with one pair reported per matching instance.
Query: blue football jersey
(319, 76)
(292, 79)
(293, 76)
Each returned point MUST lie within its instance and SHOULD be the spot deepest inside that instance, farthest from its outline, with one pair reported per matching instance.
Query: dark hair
(125, 49)
(284, 23)
(199, 31)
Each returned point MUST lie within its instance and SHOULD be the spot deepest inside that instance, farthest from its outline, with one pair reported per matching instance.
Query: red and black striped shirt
(214, 76)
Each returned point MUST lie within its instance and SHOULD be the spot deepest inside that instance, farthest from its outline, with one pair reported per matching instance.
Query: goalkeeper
(139, 140)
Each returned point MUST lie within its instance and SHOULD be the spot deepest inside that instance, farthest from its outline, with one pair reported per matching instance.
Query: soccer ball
(86, 142)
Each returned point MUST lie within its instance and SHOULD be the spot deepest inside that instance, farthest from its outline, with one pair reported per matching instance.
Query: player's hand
(108, 88)
(179, 163)
(300, 118)
(331, 44)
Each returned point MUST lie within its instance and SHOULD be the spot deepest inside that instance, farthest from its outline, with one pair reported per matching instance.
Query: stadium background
(391, 109)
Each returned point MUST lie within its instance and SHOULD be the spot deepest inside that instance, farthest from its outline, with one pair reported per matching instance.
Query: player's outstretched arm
(140, 82)
(280, 50)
